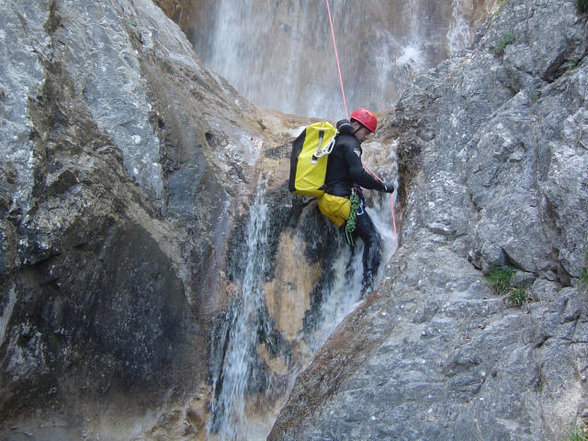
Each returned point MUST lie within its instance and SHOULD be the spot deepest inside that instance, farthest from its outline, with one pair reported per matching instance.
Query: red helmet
(366, 118)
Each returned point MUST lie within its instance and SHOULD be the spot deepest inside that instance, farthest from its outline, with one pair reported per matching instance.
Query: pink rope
(337, 59)
(345, 104)
(391, 200)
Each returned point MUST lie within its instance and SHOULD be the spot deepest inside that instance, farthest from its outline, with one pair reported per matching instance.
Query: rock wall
(493, 152)
(124, 166)
(127, 173)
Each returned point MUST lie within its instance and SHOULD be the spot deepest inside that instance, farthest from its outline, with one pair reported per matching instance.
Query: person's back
(344, 179)
(345, 169)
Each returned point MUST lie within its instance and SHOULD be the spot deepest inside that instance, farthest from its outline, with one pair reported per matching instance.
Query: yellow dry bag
(308, 163)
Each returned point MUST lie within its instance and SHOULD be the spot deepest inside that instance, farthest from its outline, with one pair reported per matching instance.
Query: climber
(345, 177)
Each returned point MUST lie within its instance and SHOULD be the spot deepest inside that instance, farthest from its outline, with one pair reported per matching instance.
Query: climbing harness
(347, 117)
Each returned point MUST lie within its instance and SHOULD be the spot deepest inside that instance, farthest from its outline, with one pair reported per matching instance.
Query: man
(343, 201)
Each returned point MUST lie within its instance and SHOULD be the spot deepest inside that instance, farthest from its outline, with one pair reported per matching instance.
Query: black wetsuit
(344, 168)
(344, 171)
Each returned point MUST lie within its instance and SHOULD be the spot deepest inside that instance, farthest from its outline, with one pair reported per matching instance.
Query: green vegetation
(517, 296)
(506, 39)
(578, 433)
(582, 6)
(495, 13)
(534, 97)
(499, 278)
(503, 282)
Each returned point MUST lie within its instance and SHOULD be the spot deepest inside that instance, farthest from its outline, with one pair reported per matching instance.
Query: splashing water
(229, 421)
(382, 45)
(240, 332)
(343, 295)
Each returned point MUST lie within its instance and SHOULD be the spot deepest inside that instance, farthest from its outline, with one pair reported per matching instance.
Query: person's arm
(358, 173)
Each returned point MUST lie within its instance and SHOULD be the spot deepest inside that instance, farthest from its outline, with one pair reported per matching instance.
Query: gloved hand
(388, 188)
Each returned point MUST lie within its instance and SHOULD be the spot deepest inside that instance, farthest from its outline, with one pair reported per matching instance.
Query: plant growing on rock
(500, 6)
(517, 296)
(582, 6)
(506, 39)
(503, 282)
(534, 97)
(500, 277)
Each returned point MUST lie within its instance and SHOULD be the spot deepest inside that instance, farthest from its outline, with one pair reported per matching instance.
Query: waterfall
(460, 30)
(245, 319)
(280, 55)
(343, 295)
(246, 323)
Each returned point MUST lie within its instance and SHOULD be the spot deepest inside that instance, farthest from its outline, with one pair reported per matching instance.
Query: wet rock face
(127, 170)
(382, 45)
(119, 178)
(177, 10)
(493, 150)
(81, 313)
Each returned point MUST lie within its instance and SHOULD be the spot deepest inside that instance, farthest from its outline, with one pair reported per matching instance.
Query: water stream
(245, 319)
(279, 53)
(247, 323)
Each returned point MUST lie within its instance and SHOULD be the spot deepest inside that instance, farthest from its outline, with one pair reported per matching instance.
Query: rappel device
(308, 162)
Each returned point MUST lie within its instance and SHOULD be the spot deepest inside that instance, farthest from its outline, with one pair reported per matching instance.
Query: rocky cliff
(128, 175)
(125, 167)
(493, 145)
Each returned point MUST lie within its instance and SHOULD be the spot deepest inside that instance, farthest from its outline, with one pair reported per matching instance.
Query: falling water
(280, 54)
(239, 333)
(343, 295)
(460, 30)
(230, 383)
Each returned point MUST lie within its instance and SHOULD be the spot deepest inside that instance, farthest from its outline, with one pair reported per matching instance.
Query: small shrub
(501, 280)
(582, 6)
(506, 39)
(517, 296)
(500, 277)
(534, 97)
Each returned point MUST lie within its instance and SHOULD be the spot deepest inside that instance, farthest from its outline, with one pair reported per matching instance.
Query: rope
(347, 113)
(351, 224)
(337, 59)
(391, 200)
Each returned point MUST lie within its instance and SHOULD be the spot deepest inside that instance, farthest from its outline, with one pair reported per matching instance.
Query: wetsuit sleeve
(359, 175)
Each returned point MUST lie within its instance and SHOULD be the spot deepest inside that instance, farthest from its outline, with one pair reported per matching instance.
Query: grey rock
(126, 177)
(123, 160)
(499, 179)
